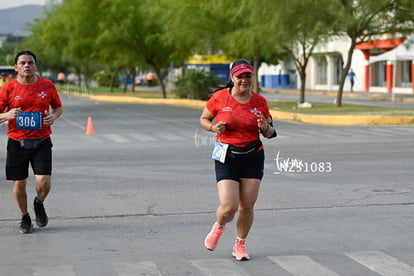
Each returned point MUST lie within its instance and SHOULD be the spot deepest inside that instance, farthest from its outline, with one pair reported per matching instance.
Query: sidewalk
(373, 96)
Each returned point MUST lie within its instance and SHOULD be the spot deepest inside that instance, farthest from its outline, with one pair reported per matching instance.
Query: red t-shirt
(36, 97)
(240, 118)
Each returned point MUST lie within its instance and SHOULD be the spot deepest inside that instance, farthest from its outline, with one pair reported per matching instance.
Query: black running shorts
(18, 159)
(235, 169)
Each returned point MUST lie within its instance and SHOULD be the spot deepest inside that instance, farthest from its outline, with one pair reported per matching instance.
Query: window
(405, 67)
(321, 70)
(378, 74)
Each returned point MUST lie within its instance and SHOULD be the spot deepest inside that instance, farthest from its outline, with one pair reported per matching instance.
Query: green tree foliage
(7, 52)
(249, 33)
(106, 79)
(92, 35)
(261, 31)
(67, 35)
(300, 26)
(49, 52)
(240, 30)
(405, 13)
(135, 34)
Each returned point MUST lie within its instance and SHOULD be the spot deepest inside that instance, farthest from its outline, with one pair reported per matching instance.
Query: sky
(5, 4)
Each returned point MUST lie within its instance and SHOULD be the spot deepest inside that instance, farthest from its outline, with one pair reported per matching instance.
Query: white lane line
(382, 263)
(116, 138)
(142, 137)
(63, 270)
(302, 266)
(218, 267)
(134, 269)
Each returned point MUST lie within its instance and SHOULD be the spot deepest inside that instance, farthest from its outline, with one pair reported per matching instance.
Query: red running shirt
(36, 97)
(240, 118)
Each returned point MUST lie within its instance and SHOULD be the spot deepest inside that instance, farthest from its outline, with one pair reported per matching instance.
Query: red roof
(384, 44)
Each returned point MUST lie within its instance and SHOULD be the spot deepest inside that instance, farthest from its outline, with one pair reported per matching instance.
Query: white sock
(240, 240)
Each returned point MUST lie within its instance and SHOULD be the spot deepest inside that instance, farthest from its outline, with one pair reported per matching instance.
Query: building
(384, 64)
(282, 75)
(219, 65)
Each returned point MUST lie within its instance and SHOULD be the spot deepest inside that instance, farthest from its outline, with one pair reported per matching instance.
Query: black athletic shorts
(237, 168)
(18, 159)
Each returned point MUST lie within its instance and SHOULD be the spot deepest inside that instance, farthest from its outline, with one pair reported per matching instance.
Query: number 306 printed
(29, 120)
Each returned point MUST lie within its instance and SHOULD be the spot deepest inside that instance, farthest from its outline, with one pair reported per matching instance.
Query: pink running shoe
(213, 237)
(239, 251)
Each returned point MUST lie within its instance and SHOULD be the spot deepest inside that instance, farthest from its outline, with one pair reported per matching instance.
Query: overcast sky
(5, 4)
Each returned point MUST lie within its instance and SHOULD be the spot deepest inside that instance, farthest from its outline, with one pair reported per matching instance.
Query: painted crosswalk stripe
(170, 136)
(382, 263)
(218, 267)
(142, 137)
(135, 269)
(87, 138)
(116, 138)
(63, 270)
(302, 266)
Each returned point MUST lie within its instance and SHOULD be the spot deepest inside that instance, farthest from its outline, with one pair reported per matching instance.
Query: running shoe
(41, 217)
(239, 252)
(26, 225)
(213, 237)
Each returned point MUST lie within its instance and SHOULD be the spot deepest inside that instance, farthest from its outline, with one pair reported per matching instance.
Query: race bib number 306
(29, 120)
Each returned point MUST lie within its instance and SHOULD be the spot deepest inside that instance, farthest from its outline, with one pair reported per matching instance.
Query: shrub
(196, 85)
(104, 79)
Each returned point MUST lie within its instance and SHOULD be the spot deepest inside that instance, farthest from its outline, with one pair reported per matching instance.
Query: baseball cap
(241, 66)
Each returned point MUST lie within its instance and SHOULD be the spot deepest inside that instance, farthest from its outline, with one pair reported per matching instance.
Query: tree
(8, 52)
(136, 31)
(49, 53)
(361, 19)
(300, 26)
(261, 31)
(116, 54)
(66, 36)
(250, 35)
(80, 21)
(97, 34)
(239, 30)
(405, 12)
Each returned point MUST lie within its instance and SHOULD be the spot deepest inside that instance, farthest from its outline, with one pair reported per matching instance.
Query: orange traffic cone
(89, 127)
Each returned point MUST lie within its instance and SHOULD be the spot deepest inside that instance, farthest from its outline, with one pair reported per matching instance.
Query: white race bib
(220, 151)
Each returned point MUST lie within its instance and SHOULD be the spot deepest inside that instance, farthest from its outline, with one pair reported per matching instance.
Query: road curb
(277, 115)
(346, 120)
(196, 104)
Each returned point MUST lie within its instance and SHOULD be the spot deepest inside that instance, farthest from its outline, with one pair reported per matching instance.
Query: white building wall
(340, 46)
(270, 69)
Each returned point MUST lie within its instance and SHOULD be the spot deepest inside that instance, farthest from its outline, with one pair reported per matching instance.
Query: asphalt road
(138, 197)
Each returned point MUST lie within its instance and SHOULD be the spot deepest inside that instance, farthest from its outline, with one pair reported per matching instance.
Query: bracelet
(211, 127)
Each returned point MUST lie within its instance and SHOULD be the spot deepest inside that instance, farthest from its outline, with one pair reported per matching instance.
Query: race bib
(220, 151)
(29, 120)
